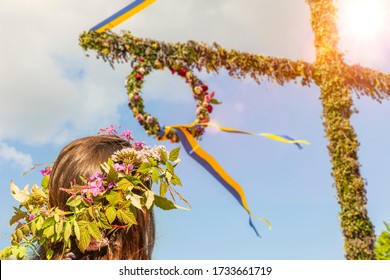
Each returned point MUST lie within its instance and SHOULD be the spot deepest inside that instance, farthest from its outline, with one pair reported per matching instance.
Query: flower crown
(105, 202)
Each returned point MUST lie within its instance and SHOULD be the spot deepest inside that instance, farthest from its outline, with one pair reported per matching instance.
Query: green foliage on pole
(358, 231)
(382, 247)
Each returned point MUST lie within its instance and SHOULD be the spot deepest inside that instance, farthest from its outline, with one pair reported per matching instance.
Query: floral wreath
(143, 67)
(105, 202)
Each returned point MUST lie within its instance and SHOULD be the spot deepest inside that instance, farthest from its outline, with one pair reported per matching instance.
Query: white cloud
(14, 156)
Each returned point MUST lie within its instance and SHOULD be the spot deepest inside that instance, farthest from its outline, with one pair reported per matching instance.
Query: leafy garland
(106, 202)
(146, 55)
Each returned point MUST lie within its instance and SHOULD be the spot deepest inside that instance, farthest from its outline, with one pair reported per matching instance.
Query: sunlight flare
(362, 19)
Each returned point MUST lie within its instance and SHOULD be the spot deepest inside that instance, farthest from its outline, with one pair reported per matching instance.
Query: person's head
(83, 157)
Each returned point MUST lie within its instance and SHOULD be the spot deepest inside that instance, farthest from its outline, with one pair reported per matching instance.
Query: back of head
(83, 157)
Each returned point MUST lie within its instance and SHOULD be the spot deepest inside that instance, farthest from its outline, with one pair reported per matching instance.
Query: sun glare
(362, 19)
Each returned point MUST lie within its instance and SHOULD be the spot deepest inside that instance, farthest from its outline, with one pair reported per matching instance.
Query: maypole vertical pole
(358, 231)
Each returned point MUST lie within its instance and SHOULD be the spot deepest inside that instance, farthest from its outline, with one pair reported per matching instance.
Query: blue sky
(52, 93)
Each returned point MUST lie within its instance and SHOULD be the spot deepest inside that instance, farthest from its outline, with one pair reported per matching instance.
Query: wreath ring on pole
(134, 83)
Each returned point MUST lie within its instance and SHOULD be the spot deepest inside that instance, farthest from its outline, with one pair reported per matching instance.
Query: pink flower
(198, 110)
(130, 167)
(111, 130)
(95, 188)
(95, 184)
(138, 76)
(126, 134)
(119, 167)
(209, 97)
(139, 145)
(46, 171)
(111, 185)
(141, 70)
(31, 217)
(97, 175)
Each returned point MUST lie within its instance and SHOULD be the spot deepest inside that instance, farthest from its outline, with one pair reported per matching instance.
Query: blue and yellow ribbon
(214, 168)
(122, 15)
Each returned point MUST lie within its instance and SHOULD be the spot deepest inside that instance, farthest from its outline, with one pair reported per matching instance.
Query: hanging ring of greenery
(134, 84)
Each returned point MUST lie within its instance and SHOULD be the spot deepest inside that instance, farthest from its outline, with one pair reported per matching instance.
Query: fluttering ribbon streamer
(195, 151)
(122, 15)
(277, 137)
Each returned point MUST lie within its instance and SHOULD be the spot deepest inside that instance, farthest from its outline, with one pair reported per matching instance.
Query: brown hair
(83, 157)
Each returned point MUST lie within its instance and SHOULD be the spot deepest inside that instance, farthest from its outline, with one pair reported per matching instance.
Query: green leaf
(83, 179)
(49, 231)
(126, 217)
(74, 202)
(59, 226)
(45, 182)
(215, 101)
(94, 231)
(164, 156)
(76, 229)
(168, 176)
(175, 180)
(15, 251)
(18, 216)
(49, 254)
(170, 167)
(163, 203)
(149, 199)
(33, 227)
(19, 233)
(123, 184)
(67, 231)
(39, 222)
(163, 188)
(144, 168)
(152, 161)
(174, 154)
(103, 223)
(111, 214)
(155, 175)
(112, 174)
(26, 229)
(48, 222)
(22, 252)
(113, 198)
(84, 241)
(136, 201)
